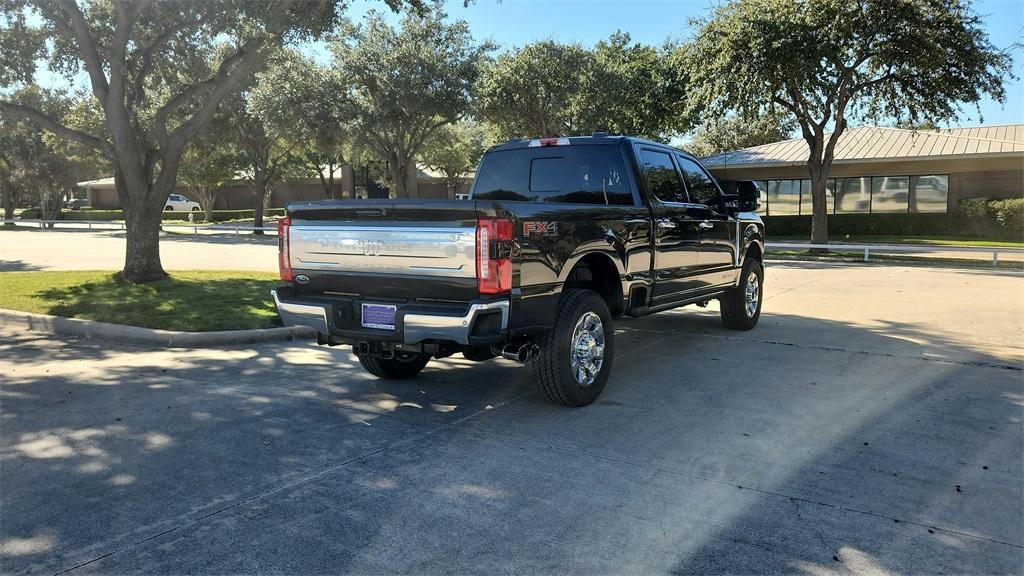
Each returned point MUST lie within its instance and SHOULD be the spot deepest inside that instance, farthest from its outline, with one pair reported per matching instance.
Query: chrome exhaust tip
(521, 353)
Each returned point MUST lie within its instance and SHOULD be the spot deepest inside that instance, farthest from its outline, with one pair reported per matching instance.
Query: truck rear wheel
(741, 306)
(403, 365)
(576, 356)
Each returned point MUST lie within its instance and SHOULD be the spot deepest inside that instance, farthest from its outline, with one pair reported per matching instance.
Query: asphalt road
(872, 424)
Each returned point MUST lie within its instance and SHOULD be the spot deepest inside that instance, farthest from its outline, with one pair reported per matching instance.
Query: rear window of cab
(577, 174)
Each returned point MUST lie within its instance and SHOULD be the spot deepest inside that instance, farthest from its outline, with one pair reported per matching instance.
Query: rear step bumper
(413, 324)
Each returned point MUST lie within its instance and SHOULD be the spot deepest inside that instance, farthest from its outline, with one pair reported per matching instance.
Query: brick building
(886, 170)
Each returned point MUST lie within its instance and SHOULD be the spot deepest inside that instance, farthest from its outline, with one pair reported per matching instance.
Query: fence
(882, 248)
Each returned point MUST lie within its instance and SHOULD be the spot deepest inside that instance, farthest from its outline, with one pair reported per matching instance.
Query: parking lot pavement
(871, 424)
(76, 249)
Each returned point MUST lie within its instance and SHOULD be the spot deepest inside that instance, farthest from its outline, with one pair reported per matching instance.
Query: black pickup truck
(559, 236)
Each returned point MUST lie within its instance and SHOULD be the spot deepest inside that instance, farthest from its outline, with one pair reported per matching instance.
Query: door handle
(705, 225)
(666, 224)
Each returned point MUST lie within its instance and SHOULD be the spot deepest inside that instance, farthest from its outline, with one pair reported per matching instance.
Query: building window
(805, 197)
(890, 194)
(762, 207)
(929, 193)
(784, 197)
(853, 195)
(878, 194)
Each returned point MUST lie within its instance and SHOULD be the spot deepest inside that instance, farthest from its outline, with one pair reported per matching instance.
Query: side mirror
(748, 195)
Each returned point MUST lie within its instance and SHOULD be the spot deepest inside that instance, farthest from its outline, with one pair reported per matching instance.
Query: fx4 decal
(540, 228)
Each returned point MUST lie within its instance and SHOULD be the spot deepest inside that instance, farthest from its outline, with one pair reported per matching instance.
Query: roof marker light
(549, 142)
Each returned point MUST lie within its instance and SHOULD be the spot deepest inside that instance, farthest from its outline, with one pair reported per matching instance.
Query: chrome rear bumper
(416, 327)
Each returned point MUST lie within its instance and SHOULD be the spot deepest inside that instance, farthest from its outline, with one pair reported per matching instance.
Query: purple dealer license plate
(380, 316)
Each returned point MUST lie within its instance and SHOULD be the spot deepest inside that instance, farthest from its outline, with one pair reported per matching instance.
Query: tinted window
(929, 193)
(783, 197)
(853, 195)
(572, 174)
(701, 187)
(662, 177)
(890, 193)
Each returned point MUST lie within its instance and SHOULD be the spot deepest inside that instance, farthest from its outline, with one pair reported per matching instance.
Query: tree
(454, 151)
(327, 139)
(150, 66)
(209, 164)
(718, 135)
(264, 125)
(631, 88)
(533, 91)
(552, 89)
(37, 164)
(403, 85)
(829, 62)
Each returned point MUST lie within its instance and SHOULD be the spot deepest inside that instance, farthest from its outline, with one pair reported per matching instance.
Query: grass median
(924, 240)
(194, 301)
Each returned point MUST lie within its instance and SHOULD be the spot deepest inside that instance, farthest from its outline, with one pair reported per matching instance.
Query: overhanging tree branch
(48, 123)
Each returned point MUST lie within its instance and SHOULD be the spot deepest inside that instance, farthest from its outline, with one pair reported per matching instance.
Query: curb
(59, 325)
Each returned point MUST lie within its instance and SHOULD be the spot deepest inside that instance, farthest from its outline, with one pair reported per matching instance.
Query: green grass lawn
(929, 240)
(196, 301)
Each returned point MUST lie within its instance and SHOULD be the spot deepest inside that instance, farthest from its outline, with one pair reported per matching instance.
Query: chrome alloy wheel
(587, 348)
(753, 294)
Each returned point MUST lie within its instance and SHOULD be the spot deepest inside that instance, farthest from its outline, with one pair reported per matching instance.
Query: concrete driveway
(81, 249)
(870, 425)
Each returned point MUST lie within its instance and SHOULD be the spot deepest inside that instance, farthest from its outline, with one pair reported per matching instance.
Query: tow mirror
(748, 195)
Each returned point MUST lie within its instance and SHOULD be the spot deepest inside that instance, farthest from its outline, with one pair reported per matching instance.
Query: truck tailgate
(386, 249)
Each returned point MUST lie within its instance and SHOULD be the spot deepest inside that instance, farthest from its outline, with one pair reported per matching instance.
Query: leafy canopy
(830, 61)
(402, 85)
(553, 89)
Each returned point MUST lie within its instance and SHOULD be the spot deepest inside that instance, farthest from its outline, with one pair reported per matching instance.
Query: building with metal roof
(890, 170)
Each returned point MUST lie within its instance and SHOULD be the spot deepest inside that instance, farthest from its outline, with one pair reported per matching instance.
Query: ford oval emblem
(302, 279)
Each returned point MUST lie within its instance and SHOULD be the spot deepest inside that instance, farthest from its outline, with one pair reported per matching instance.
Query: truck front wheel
(576, 356)
(403, 365)
(741, 306)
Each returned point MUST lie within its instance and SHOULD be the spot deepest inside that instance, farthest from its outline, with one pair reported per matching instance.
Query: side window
(662, 176)
(701, 187)
(581, 175)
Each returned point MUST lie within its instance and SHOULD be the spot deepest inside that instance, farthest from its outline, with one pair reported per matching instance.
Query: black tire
(735, 313)
(168, 209)
(553, 372)
(194, 209)
(400, 367)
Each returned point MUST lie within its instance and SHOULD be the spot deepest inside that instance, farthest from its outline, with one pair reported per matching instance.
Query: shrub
(976, 214)
(1009, 214)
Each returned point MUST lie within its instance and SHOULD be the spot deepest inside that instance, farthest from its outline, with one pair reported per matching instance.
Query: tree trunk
(819, 205)
(398, 175)
(209, 199)
(260, 194)
(143, 214)
(9, 203)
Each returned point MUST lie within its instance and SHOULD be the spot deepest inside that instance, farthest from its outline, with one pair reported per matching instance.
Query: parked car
(76, 204)
(560, 236)
(179, 203)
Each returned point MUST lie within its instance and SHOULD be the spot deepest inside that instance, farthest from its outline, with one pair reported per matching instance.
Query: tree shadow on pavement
(710, 452)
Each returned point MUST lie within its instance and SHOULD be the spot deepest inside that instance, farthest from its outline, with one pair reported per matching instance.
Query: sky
(513, 23)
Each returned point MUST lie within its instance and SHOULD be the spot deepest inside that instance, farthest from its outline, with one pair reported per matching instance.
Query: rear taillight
(284, 260)
(494, 255)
